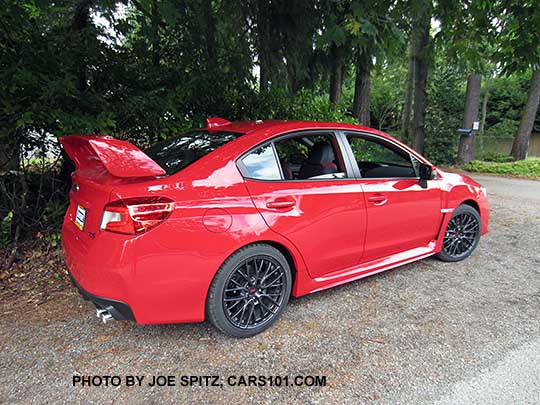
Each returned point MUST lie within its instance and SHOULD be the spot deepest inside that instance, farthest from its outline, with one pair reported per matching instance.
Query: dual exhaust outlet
(104, 315)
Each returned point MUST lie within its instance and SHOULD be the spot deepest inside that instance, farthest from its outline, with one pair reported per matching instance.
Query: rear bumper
(118, 309)
(138, 277)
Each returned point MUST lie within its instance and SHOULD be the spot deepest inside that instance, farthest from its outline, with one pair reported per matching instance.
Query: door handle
(277, 204)
(378, 199)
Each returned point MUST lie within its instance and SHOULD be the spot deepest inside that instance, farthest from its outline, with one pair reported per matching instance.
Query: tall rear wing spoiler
(118, 158)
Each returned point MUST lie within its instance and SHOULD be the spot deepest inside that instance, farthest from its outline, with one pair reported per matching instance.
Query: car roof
(259, 131)
(271, 128)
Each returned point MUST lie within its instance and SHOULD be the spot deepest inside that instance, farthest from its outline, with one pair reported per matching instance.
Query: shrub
(504, 129)
(497, 157)
(526, 168)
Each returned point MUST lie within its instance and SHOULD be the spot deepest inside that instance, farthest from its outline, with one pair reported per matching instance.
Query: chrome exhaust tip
(99, 312)
(104, 315)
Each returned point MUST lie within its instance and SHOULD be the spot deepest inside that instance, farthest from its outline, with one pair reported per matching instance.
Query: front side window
(301, 157)
(379, 159)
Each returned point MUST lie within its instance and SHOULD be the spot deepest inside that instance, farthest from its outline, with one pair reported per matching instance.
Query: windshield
(176, 153)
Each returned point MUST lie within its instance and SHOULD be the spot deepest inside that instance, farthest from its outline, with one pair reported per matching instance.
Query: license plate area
(80, 217)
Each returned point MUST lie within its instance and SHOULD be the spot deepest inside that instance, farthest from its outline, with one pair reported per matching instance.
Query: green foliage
(446, 95)
(54, 212)
(53, 238)
(317, 108)
(497, 158)
(507, 99)
(526, 168)
(504, 129)
(518, 34)
(387, 88)
(5, 229)
(279, 104)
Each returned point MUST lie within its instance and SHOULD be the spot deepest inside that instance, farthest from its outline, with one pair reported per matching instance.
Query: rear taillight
(136, 215)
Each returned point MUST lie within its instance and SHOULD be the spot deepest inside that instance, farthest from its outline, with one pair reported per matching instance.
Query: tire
(249, 291)
(462, 234)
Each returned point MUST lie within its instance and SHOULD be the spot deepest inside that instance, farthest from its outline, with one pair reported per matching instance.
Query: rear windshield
(176, 153)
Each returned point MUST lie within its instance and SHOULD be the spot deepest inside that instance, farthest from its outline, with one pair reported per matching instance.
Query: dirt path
(424, 332)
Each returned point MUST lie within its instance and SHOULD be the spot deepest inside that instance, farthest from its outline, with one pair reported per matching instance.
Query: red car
(226, 222)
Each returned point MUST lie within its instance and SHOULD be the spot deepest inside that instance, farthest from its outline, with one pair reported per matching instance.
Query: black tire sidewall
(214, 304)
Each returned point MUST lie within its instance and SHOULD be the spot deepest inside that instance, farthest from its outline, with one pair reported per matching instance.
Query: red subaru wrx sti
(226, 222)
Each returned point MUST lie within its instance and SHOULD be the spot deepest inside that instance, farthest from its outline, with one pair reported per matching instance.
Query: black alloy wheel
(249, 291)
(254, 292)
(462, 234)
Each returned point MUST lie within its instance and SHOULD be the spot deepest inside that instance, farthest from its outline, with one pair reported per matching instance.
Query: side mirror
(425, 172)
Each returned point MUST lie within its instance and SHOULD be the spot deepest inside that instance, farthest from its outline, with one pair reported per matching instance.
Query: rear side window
(261, 164)
(300, 157)
(174, 154)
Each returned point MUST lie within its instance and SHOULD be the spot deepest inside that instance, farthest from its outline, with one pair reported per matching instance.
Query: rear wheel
(249, 291)
(462, 234)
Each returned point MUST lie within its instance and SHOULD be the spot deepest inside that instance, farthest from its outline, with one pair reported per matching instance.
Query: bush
(526, 168)
(497, 157)
(446, 94)
(504, 129)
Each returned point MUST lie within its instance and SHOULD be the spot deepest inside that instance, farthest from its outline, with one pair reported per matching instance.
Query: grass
(523, 168)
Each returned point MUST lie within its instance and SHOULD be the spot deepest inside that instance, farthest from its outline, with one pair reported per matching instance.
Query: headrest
(321, 153)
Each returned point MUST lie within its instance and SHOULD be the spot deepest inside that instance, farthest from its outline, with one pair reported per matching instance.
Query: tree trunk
(420, 83)
(484, 107)
(9, 156)
(336, 73)
(407, 104)
(210, 34)
(523, 135)
(292, 79)
(362, 87)
(467, 144)
(156, 53)
(263, 43)
(81, 21)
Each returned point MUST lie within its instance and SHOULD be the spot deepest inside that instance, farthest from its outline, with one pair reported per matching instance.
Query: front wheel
(249, 291)
(462, 234)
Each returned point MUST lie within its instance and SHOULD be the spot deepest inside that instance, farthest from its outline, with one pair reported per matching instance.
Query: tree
(408, 100)
(263, 25)
(362, 87)
(467, 144)
(337, 53)
(471, 50)
(518, 33)
(337, 41)
(373, 33)
(422, 55)
(523, 135)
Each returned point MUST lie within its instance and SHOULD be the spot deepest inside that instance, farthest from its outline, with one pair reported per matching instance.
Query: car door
(401, 214)
(304, 190)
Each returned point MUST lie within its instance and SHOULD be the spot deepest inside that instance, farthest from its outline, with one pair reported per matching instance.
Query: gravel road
(423, 333)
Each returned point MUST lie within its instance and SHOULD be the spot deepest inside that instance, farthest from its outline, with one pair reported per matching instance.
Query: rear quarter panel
(176, 262)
